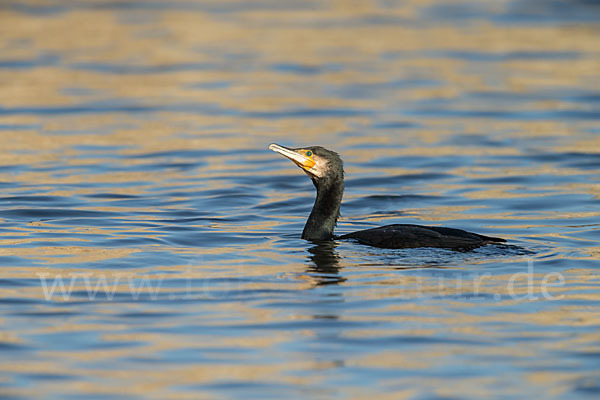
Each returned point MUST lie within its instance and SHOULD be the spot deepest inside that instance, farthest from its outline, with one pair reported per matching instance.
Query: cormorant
(325, 169)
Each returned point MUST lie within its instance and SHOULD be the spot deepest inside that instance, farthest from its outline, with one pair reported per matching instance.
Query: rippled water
(150, 243)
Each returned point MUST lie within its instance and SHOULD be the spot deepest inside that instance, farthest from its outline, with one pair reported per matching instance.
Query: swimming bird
(325, 169)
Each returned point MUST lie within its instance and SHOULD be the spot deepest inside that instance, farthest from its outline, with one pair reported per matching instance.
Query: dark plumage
(399, 236)
(326, 170)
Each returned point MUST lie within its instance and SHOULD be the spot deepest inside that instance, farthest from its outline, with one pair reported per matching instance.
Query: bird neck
(326, 210)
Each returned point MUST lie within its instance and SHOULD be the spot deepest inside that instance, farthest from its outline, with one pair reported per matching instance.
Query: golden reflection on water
(461, 323)
(244, 46)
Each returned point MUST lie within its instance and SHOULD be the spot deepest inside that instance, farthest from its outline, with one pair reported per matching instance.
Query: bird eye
(309, 153)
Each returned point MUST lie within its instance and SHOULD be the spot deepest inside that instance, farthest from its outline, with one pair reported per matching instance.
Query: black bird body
(325, 168)
(400, 236)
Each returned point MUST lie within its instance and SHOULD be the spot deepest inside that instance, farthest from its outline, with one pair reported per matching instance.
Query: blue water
(150, 243)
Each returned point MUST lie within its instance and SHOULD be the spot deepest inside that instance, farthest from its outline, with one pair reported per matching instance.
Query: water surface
(150, 243)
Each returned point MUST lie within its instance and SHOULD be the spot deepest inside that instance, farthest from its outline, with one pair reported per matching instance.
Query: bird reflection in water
(325, 269)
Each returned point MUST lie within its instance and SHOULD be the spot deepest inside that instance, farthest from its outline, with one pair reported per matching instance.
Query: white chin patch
(319, 169)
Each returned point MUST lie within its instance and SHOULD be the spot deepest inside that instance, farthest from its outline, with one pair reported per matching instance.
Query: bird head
(318, 162)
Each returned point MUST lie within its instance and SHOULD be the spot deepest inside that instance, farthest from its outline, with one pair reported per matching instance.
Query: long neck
(325, 212)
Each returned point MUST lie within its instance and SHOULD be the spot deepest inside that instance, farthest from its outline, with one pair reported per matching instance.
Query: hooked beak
(300, 159)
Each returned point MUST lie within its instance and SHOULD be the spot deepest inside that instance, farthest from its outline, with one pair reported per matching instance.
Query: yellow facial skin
(303, 158)
(309, 162)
